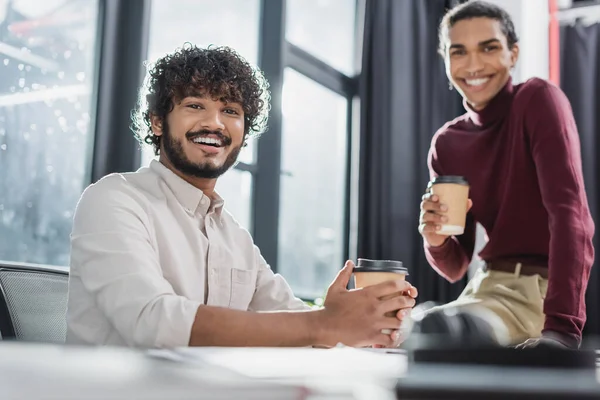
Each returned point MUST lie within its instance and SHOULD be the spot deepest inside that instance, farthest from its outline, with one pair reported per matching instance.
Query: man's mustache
(205, 132)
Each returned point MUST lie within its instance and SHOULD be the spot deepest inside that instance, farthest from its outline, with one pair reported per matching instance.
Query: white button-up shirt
(147, 249)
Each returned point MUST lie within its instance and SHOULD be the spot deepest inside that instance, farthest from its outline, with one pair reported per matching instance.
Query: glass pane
(47, 63)
(312, 197)
(324, 28)
(201, 22)
(235, 187)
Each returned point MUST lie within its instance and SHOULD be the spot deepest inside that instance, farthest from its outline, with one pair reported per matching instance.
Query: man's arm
(352, 317)
(114, 255)
(556, 152)
(215, 326)
(451, 259)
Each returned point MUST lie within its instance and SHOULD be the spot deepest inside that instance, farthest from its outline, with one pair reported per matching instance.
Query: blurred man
(156, 260)
(518, 147)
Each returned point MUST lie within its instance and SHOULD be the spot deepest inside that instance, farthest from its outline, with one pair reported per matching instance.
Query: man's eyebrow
(480, 44)
(489, 41)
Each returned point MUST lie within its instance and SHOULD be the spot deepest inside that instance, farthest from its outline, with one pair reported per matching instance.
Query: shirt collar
(190, 197)
(497, 108)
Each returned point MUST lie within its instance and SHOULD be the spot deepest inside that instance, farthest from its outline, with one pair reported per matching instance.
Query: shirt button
(204, 201)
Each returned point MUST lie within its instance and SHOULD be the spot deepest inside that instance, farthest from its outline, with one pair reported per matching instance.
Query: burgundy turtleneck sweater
(522, 158)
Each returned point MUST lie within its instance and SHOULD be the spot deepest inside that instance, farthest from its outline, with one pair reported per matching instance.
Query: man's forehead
(475, 30)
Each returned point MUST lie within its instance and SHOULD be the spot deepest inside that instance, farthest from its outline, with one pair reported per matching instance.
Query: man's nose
(212, 120)
(474, 64)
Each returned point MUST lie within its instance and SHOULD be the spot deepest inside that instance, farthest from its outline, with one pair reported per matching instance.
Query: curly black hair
(218, 72)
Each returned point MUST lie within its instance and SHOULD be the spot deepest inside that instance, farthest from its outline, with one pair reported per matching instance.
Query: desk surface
(36, 371)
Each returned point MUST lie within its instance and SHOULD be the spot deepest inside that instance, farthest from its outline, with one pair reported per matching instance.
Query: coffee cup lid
(366, 265)
(459, 180)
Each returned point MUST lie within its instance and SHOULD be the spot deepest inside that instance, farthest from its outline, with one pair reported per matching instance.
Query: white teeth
(476, 82)
(207, 140)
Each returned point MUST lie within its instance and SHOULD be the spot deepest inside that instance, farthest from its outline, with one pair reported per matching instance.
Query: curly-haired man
(156, 261)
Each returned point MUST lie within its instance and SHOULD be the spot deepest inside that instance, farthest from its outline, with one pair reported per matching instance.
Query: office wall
(531, 18)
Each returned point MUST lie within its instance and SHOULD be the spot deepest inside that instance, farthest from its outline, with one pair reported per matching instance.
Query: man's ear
(514, 54)
(156, 124)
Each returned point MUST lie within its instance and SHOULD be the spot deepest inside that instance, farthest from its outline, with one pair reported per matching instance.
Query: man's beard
(173, 149)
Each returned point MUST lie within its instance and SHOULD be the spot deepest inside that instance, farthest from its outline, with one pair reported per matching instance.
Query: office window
(324, 28)
(313, 183)
(47, 68)
(233, 23)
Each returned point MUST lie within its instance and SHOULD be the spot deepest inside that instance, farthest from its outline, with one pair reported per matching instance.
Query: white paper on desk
(276, 363)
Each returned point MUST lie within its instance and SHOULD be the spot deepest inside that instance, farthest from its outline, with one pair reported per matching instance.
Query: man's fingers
(389, 287)
(430, 216)
(389, 324)
(429, 227)
(413, 292)
(343, 277)
(404, 313)
(384, 339)
(429, 205)
(397, 303)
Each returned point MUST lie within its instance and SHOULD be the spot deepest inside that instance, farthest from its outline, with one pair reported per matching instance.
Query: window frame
(129, 21)
(122, 47)
(276, 54)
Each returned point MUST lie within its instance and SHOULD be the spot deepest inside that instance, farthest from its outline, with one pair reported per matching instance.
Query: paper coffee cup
(372, 272)
(453, 191)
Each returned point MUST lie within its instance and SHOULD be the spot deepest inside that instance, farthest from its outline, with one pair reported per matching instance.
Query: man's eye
(195, 106)
(231, 111)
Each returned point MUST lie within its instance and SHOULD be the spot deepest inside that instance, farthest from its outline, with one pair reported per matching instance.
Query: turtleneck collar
(496, 109)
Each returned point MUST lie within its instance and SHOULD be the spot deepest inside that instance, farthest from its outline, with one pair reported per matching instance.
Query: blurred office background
(357, 88)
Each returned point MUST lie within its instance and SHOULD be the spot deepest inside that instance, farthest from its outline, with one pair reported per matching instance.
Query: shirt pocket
(243, 286)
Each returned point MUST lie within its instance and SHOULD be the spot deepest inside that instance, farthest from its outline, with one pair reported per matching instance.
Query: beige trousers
(516, 299)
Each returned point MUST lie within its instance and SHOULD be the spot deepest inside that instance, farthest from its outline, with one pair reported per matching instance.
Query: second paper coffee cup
(453, 191)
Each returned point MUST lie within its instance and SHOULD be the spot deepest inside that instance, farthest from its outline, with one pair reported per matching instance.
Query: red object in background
(554, 43)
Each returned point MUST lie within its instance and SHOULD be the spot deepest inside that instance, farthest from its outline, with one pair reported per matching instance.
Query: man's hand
(432, 217)
(356, 317)
(399, 336)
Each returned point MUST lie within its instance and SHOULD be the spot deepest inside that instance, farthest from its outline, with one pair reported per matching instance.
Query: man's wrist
(319, 333)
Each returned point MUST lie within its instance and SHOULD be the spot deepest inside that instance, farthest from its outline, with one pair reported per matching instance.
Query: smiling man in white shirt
(156, 261)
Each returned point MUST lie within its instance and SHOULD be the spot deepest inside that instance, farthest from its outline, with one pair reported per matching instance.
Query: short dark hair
(218, 72)
(477, 9)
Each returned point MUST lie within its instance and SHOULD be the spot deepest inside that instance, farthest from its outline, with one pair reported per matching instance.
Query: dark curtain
(580, 80)
(405, 99)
